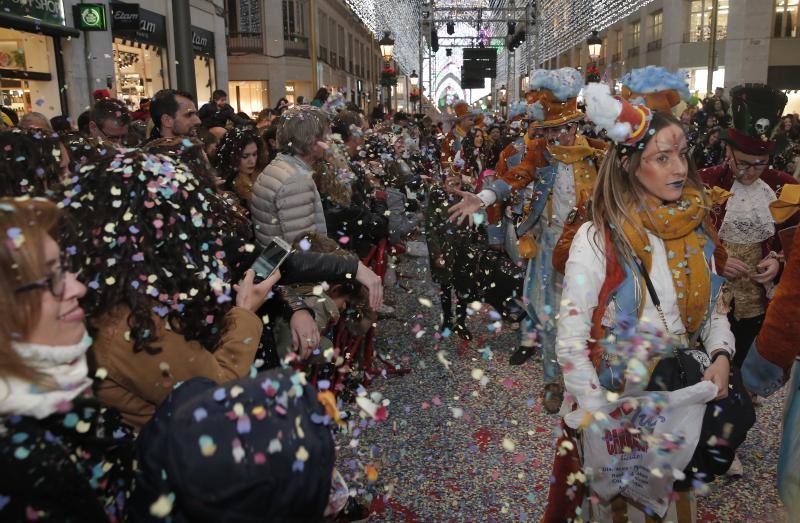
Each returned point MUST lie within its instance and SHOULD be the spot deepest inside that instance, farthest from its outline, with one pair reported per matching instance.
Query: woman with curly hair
(162, 308)
(241, 157)
(32, 163)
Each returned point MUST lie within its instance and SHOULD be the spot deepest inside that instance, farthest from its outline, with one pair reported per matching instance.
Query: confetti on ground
(485, 453)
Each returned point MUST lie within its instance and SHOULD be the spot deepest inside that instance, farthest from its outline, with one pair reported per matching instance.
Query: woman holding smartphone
(161, 304)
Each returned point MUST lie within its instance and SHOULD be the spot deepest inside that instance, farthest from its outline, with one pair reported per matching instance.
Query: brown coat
(136, 383)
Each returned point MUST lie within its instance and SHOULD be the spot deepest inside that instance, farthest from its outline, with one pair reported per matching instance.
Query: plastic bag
(639, 445)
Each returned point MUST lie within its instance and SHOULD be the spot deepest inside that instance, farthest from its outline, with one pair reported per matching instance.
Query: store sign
(90, 17)
(50, 11)
(152, 29)
(202, 41)
(124, 17)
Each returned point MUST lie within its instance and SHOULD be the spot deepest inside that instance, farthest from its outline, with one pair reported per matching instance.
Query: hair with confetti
(24, 225)
(150, 241)
(30, 163)
(229, 153)
(300, 128)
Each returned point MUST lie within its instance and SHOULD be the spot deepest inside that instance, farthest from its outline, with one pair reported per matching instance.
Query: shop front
(140, 55)
(31, 66)
(204, 65)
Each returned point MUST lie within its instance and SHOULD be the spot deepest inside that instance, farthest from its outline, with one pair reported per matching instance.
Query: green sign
(91, 17)
(50, 11)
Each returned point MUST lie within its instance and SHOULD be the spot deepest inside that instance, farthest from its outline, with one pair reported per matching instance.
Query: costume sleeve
(716, 332)
(583, 279)
(774, 351)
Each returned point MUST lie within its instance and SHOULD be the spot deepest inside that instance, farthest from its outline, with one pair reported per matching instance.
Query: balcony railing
(246, 43)
(633, 52)
(295, 45)
(655, 45)
(703, 34)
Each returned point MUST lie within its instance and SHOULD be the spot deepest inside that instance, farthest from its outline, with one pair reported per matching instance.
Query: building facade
(756, 41)
(270, 55)
(48, 66)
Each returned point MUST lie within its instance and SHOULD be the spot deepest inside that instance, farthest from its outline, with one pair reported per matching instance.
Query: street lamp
(503, 100)
(414, 83)
(595, 45)
(387, 46)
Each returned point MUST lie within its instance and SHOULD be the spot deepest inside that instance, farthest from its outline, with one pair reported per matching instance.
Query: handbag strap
(651, 290)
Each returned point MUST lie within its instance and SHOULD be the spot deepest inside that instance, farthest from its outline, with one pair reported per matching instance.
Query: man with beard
(174, 114)
(550, 189)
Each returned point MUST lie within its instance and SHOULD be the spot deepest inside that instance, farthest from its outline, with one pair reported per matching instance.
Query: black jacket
(71, 466)
(213, 116)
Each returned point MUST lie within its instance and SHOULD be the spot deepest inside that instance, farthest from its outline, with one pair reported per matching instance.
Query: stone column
(747, 43)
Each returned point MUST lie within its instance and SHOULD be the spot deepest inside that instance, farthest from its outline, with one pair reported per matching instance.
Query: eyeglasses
(55, 282)
(743, 166)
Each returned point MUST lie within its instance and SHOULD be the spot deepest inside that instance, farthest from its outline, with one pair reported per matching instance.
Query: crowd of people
(144, 366)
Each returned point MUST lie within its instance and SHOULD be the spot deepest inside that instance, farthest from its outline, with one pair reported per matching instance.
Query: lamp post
(503, 100)
(595, 46)
(414, 83)
(386, 45)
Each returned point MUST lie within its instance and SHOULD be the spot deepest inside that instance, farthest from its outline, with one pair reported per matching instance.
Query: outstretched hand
(469, 205)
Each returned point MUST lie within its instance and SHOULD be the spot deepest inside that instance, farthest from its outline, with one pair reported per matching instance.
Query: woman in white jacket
(649, 208)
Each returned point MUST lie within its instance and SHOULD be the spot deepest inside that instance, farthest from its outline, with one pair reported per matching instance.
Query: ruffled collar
(63, 367)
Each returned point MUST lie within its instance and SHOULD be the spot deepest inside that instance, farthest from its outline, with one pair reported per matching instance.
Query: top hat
(462, 110)
(554, 96)
(655, 87)
(756, 110)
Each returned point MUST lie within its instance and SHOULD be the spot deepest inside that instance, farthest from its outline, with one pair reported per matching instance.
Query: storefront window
(785, 18)
(700, 12)
(249, 96)
(140, 71)
(205, 76)
(28, 73)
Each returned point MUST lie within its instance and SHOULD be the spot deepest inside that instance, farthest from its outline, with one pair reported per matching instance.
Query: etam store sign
(51, 11)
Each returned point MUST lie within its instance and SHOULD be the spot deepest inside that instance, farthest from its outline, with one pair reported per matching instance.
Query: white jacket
(286, 202)
(584, 276)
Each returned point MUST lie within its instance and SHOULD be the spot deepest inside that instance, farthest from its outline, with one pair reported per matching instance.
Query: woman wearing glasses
(64, 457)
(745, 224)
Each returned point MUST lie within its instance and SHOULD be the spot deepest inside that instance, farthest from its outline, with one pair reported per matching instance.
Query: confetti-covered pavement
(468, 440)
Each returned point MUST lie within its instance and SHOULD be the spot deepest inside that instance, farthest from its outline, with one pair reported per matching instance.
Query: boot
(553, 397)
(521, 355)
(461, 322)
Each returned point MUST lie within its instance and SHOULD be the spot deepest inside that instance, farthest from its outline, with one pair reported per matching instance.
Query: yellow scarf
(676, 224)
(570, 154)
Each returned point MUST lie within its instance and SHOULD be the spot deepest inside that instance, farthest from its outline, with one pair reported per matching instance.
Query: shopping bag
(639, 445)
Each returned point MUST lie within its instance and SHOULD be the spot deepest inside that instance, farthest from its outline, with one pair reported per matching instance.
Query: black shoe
(448, 326)
(463, 332)
(521, 355)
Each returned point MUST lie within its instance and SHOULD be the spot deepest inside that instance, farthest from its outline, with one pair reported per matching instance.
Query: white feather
(601, 108)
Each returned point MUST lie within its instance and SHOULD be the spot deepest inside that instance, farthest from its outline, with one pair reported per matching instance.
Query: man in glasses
(109, 120)
(745, 224)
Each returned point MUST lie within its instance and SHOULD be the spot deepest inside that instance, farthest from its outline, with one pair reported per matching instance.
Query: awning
(34, 25)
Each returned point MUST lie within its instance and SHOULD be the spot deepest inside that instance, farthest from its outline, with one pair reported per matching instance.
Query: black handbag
(726, 421)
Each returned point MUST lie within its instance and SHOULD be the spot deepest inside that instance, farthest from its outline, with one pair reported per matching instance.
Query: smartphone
(271, 258)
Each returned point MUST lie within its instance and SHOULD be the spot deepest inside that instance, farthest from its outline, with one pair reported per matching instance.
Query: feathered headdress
(626, 123)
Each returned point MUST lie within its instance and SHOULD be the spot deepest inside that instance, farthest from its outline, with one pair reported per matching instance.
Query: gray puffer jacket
(286, 202)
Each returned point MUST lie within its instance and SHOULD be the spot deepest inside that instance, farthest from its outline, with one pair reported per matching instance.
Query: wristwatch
(720, 352)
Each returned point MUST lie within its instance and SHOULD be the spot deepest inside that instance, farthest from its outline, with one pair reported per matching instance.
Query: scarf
(677, 223)
(570, 154)
(64, 366)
